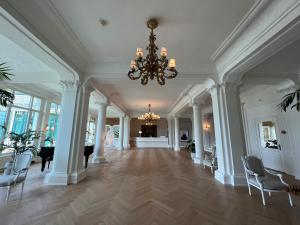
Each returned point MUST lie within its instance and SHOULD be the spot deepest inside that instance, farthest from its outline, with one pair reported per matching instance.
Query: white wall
(261, 105)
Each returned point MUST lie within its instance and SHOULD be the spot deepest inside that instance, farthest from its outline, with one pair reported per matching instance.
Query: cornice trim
(258, 6)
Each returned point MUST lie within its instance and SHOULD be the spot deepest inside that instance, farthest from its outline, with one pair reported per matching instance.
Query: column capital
(88, 89)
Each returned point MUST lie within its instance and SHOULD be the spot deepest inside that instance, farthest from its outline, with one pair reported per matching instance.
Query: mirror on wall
(268, 135)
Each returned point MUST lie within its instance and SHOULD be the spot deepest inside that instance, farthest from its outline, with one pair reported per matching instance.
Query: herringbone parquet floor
(145, 187)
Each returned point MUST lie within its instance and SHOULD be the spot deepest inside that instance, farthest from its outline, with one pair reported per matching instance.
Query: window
(21, 116)
(53, 121)
(3, 113)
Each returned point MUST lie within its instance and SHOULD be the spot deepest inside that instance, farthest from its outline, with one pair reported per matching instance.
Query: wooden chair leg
(290, 199)
(263, 196)
(8, 193)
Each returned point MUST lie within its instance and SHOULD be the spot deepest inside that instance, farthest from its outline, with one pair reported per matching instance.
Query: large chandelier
(152, 66)
(149, 117)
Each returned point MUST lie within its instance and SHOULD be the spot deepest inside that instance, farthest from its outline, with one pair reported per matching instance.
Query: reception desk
(149, 142)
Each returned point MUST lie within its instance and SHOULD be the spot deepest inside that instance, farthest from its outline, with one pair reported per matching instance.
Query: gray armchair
(262, 178)
(18, 175)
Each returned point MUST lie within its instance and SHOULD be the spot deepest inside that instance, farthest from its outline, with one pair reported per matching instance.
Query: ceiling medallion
(149, 117)
(152, 66)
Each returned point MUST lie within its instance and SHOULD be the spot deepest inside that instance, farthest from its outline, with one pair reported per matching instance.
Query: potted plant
(18, 144)
(5, 96)
(191, 147)
(289, 101)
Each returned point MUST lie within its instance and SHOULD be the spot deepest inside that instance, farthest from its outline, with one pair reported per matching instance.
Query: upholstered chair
(263, 179)
(18, 175)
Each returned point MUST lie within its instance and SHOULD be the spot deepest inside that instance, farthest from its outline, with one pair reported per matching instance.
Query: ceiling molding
(268, 40)
(258, 6)
(25, 35)
(72, 36)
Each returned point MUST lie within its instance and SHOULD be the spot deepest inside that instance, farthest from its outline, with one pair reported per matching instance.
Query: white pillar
(229, 134)
(176, 131)
(126, 144)
(100, 135)
(121, 133)
(198, 132)
(77, 167)
(170, 136)
(60, 172)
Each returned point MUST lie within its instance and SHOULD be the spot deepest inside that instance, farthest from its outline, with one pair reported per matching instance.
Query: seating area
(149, 112)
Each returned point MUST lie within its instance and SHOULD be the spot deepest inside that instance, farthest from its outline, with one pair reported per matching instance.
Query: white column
(121, 133)
(60, 172)
(77, 167)
(198, 133)
(170, 136)
(229, 134)
(176, 134)
(100, 135)
(126, 144)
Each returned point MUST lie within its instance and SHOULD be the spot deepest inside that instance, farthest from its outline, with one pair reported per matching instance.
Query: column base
(98, 160)
(176, 148)
(233, 180)
(198, 160)
(58, 178)
(75, 178)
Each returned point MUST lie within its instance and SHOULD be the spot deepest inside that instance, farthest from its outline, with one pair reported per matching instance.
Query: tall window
(3, 113)
(22, 115)
(53, 122)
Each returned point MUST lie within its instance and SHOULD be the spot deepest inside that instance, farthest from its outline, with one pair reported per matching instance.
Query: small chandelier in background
(149, 117)
(152, 66)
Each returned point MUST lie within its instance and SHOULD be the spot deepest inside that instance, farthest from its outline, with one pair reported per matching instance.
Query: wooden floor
(145, 187)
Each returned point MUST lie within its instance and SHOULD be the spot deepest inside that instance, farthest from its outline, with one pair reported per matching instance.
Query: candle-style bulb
(172, 63)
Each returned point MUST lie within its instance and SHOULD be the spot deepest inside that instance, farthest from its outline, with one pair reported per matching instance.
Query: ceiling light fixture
(152, 66)
(149, 117)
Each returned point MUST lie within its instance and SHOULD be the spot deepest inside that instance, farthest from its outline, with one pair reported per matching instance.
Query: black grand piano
(47, 153)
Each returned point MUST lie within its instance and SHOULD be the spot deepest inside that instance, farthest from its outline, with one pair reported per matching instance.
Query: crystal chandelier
(149, 117)
(152, 66)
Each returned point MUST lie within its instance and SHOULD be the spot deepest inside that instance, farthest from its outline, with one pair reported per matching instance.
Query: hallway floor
(144, 187)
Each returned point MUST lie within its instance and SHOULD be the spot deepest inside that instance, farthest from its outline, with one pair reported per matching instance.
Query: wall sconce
(140, 133)
(206, 126)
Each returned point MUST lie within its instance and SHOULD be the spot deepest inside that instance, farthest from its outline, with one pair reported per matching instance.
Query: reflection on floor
(144, 187)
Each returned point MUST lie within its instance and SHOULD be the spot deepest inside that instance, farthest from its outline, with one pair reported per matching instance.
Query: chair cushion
(268, 182)
(255, 165)
(7, 180)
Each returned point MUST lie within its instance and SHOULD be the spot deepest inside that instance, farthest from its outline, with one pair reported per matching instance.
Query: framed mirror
(268, 135)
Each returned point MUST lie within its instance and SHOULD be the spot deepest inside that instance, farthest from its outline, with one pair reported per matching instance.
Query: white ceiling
(25, 67)
(191, 30)
(285, 62)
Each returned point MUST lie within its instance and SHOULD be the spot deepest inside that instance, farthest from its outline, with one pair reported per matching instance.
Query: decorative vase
(8, 168)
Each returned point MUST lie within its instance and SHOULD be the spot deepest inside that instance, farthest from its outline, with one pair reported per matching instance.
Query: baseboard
(233, 180)
(98, 160)
(75, 178)
(198, 160)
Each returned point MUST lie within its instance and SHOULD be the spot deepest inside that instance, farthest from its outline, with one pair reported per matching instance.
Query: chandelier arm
(172, 75)
(161, 80)
(131, 75)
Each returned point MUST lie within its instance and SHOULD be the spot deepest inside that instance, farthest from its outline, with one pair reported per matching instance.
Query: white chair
(18, 175)
(263, 179)
(210, 160)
